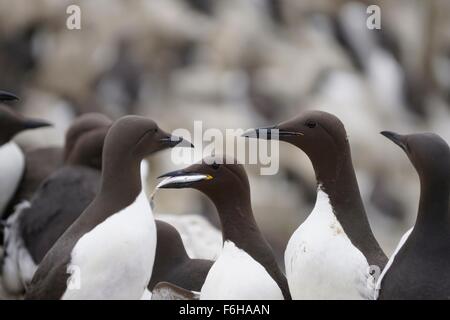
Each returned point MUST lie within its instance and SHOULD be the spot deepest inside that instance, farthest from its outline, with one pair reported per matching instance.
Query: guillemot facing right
(40, 163)
(420, 267)
(36, 225)
(330, 254)
(246, 269)
(109, 250)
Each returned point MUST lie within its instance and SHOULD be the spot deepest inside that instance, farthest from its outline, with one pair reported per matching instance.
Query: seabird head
(139, 137)
(11, 123)
(214, 176)
(317, 133)
(428, 152)
(88, 149)
(84, 124)
(7, 96)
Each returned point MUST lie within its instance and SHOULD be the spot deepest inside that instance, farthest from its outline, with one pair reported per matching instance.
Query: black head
(216, 176)
(12, 123)
(428, 152)
(319, 134)
(82, 125)
(136, 137)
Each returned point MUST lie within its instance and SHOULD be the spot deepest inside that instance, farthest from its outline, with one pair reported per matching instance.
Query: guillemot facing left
(13, 161)
(330, 254)
(246, 268)
(420, 266)
(109, 250)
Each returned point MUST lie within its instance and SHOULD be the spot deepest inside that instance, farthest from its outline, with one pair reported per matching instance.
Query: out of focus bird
(419, 267)
(36, 224)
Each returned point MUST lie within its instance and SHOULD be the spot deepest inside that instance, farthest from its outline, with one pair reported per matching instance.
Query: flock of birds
(77, 223)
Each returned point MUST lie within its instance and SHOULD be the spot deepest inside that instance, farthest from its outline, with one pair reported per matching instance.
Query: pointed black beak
(260, 133)
(7, 96)
(176, 173)
(398, 139)
(34, 124)
(270, 133)
(174, 141)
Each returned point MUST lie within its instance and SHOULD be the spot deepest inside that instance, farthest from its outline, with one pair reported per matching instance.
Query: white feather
(391, 261)
(321, 262)
(115, 259)
(18, 265)
(12, 165)
(237, 276)
(200, 238)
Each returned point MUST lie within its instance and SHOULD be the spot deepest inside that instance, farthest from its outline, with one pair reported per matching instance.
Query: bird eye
(215, 166)
(311, 124)
(155, 130)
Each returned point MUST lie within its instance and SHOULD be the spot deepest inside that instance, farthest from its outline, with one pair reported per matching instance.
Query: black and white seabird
(246, 268)
(108, 252)
(420, 266)
(36, 225)
(172, 263)
(40, 163)
(329, 255)
(12, 162)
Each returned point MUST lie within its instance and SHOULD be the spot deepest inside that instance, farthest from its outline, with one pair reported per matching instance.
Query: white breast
(391, 261)
(18, 265)
(115, 259)
(237, 276)
(322, 263)
(12, 165)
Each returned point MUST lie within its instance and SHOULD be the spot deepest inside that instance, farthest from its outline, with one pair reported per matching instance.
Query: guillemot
(40, 163)
(420, 266)
(109, 250)
(246, 268)
(333, 252)
(172, 263)
(12, 164)
(36, 225)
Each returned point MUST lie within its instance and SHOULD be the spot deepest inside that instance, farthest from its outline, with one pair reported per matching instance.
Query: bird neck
(121, 179)
(237, 220)
(336, 177)
(240, 227)
(434, 213)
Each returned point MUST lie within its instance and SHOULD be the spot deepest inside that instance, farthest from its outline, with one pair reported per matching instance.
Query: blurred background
(241, 64)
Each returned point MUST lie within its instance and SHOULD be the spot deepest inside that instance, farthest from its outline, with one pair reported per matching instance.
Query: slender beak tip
(7, 96)
(35, 124)
(251, 133)
(389, 134)
(179, 142)
(396, 138)
(183, 143)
